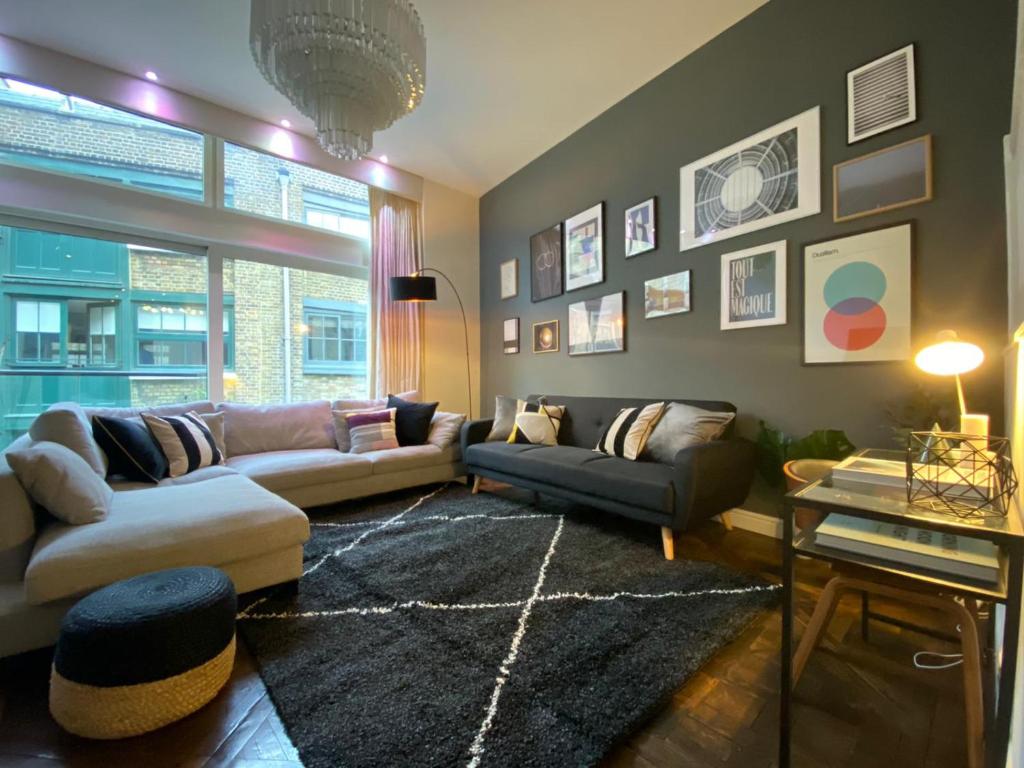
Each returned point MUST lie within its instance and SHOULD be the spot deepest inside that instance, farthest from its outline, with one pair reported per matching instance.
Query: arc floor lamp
(417, 287)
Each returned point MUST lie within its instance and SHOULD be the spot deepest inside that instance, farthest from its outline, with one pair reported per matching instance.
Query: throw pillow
(132, 453)
(683, 426)
(412, 420)
(60, 480)
(185, 440)
(341, 433)
(67, 425)
(629, 431)
(372, 431)
(445, 428)
(215, 423)
(505, 410)
(537, 424)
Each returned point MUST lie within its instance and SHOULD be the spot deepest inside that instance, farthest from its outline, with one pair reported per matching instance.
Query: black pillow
(412, 420)
(131, 450)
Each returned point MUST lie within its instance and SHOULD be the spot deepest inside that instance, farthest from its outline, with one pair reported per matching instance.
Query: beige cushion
(409, 457)
(212, 523)
(17, 519)
(263, 428)
(68, 425)
(683, 426)
(215, 423)
(444, 428)
(60, 481)
(281, 470)
(342, 437)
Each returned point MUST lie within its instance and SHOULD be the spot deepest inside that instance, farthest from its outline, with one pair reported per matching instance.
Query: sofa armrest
(711, 478)
(474, 432)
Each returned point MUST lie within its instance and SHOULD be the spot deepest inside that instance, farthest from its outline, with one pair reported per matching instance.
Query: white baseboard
(766, 525)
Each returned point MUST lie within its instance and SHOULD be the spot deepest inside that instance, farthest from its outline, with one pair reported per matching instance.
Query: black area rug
(437, 628)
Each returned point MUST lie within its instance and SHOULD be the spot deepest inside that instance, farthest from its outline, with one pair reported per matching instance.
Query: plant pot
(800, 472)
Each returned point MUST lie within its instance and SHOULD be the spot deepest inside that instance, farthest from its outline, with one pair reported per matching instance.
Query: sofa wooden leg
(668, 542)
(726, 518)
(476, 484)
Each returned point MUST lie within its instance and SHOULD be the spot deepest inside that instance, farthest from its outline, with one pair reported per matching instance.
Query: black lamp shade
(413, 288)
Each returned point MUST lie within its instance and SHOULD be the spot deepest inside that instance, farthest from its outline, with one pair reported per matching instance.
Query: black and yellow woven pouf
(143, 652)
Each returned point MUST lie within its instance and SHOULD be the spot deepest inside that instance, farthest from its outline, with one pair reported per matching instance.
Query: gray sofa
(242, 516)
(705, 480)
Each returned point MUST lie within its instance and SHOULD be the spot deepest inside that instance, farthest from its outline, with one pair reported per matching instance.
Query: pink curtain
(397, 327)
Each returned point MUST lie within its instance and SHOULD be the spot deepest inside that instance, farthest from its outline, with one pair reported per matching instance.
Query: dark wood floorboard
(858, 704)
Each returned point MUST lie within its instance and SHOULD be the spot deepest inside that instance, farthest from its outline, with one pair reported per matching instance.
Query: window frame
(338, 310)
(62, 307)
(180, 300)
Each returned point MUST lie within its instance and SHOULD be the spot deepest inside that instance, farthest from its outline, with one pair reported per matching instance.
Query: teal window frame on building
(184, 335)
(338, 352)
(316, 201)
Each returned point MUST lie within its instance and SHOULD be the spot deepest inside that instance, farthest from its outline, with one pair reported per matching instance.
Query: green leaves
(775, 448)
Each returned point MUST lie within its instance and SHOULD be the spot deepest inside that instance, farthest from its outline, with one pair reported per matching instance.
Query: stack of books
(941, 552)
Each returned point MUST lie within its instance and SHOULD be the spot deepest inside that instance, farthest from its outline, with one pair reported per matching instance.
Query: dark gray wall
(786, 57)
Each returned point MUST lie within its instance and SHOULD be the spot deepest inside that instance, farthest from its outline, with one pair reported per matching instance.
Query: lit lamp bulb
(949, 356)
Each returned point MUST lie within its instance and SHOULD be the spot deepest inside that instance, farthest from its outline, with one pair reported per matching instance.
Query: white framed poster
(857, 304)
(754, 287)
(510, 336)
(584, 248)
(769, 178)
(509, 278)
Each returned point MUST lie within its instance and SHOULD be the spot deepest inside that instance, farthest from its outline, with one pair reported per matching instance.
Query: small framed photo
(890, 178)
(545, 337)
(584, 248)
(598, 325)
(510, 336)
(546, 264)
(754, 287)
(509, 278)
(668, 295)
(641, 235)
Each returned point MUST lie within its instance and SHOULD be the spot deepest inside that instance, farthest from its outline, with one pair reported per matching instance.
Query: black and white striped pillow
(185, 440)
(627, 435)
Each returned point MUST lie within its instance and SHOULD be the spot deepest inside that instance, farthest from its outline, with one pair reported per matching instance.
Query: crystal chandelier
(352, 66)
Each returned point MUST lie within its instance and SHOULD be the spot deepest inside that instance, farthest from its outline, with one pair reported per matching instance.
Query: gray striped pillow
(185, 440)
(627, 435)
(372, 431)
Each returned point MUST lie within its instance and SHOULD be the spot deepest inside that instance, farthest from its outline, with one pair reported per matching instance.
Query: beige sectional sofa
(242, 516)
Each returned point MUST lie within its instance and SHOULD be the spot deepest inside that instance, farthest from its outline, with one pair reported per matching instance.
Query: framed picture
(857, 297)
(598, 325)
(641, 235)
(754, 287)
(510, 336)
(545, 336)
(584, 248)
(546, 264)
(668, 295)
(881, 95)
(769, 178)
(890, 178)
(509, 278)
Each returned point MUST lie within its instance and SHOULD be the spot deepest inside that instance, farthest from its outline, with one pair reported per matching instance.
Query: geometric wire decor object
(881, 95)
(352, 66)
(969, 476)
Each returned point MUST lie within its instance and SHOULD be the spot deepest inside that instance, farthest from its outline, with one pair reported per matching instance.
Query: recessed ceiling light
(286, 123)
(151, 75)
(384, 159)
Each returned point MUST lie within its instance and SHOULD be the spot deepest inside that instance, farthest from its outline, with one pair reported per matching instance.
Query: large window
(298, 334)
(51, 131)
(79, 321)
(267, 185)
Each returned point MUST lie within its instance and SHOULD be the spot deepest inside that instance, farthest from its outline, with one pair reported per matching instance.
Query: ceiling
(506, 79)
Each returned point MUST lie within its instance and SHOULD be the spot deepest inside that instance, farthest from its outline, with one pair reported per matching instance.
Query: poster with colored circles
(857, 297)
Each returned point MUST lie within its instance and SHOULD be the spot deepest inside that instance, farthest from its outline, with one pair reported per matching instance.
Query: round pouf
(143, 652)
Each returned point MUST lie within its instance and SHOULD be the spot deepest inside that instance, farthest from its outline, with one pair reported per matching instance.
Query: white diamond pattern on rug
(437, 579)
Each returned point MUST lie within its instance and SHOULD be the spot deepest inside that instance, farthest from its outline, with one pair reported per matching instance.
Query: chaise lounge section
(705, 480)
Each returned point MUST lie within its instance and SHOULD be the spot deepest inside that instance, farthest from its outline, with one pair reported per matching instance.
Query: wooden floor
(858, 704)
